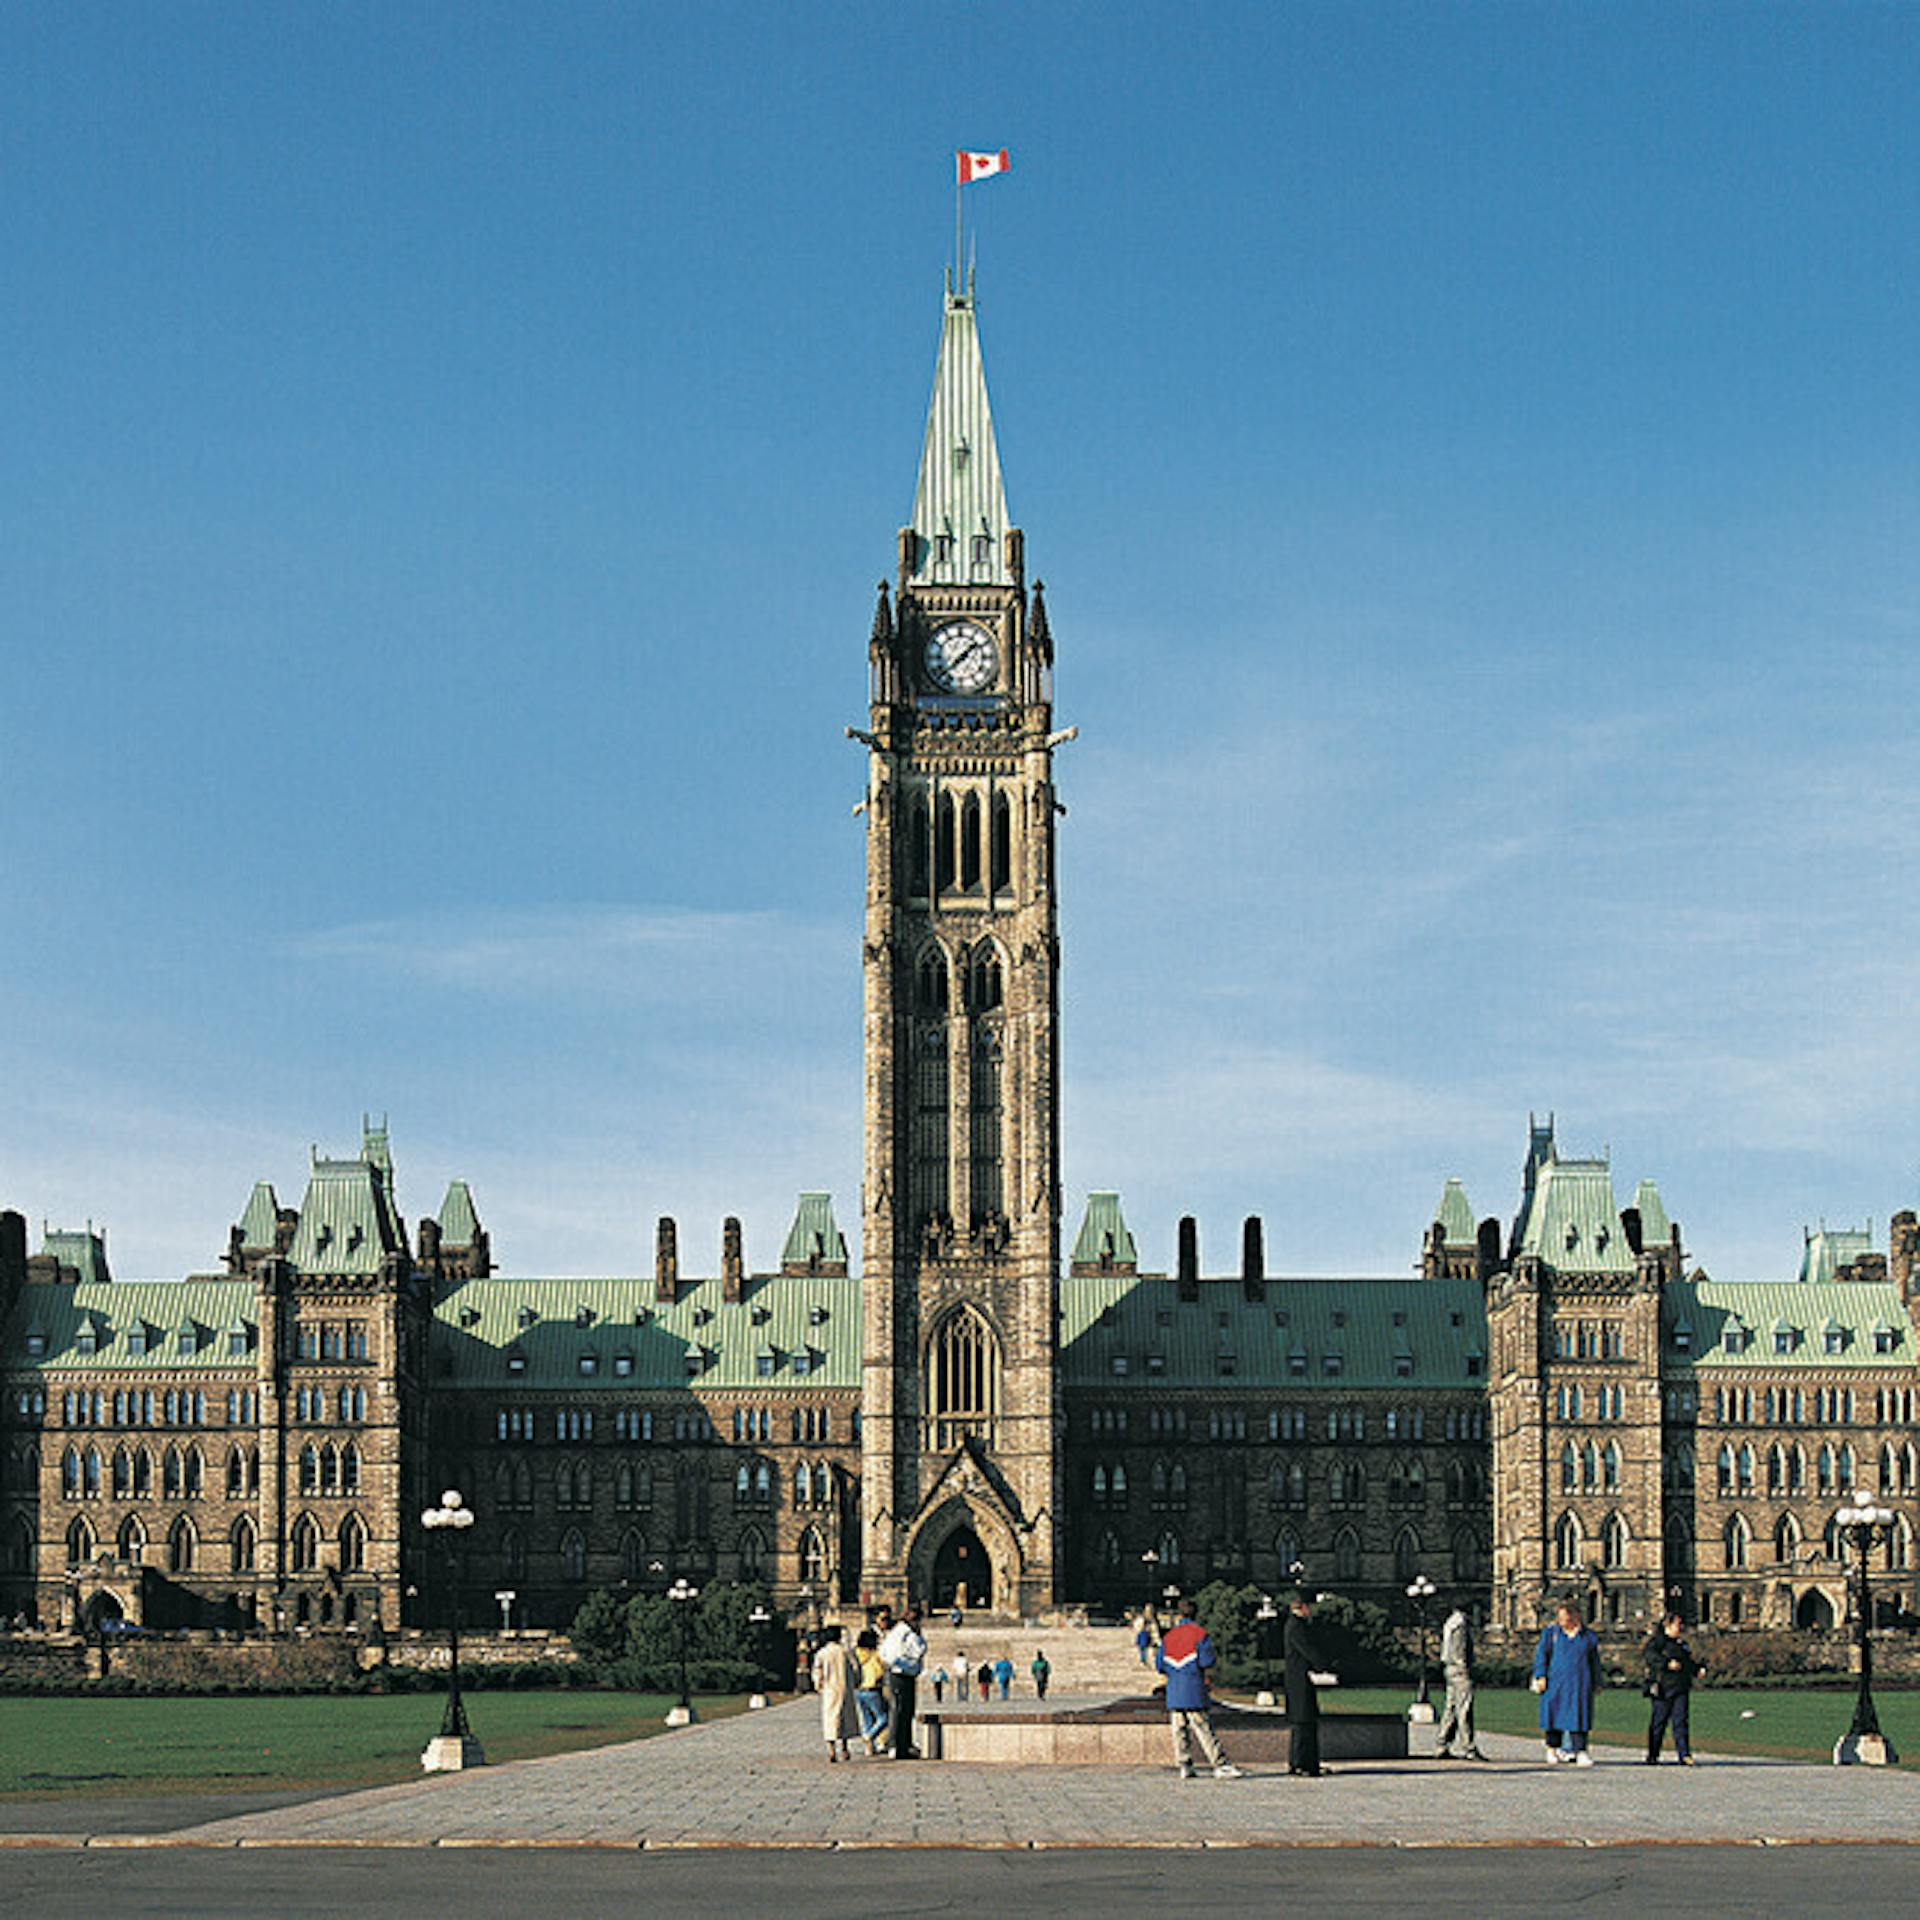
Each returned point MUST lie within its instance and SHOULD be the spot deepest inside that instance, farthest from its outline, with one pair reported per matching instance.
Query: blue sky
(450, 449)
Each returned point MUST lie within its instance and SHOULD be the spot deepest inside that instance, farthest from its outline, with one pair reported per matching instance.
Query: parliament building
(1001, 1407)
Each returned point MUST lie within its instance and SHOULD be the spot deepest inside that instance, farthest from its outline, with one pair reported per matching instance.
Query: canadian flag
(982, 166)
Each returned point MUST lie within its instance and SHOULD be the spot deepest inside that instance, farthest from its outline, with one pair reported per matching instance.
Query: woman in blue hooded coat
(1566, 1674)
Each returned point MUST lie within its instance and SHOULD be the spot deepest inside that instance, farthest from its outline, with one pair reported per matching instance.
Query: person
(1184, 1655)
(939, 1685)
(1566, 1671)
(903, 1652)
(835, 1675)
(985, 1678)
(955, 1617)
(1304, 1656)
(962, 1674)
(1042, 1671)
(1003, 1672)
(868, 1697)
(1672, 1668)
(1456, 1662)
(1142, 1638)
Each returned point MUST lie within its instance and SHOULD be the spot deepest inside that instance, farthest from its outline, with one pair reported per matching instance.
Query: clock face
(961, 657)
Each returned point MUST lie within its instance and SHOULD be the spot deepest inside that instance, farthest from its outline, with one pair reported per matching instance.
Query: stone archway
(934, 1551)
(1813, 1612)
(962, 1573)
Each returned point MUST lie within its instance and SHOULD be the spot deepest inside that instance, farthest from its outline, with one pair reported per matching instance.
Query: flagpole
(956, 224)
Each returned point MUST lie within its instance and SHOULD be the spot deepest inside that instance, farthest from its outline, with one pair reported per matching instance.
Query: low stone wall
(1135, 1734)
(480, 1649)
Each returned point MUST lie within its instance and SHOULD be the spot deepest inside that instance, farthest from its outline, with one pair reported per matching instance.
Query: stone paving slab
(761, 1780)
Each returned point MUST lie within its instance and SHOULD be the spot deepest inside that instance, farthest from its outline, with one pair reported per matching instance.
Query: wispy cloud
(677, 955)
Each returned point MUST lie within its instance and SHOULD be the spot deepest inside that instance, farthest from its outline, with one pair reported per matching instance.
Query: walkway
(761, 1780)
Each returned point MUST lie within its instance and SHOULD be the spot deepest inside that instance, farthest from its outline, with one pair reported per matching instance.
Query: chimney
(1488, 1260)
(13, 1257)
(732, 1261)
(1189, 1258)
(1253, 1258)
(1903, 1243)
(666, 1260)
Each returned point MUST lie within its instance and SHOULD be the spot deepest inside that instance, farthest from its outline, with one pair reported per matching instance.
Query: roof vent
(526, 1317)
(469, 1316)
(583, 1315)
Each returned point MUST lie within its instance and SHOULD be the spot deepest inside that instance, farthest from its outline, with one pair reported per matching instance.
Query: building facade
(1557, 1404)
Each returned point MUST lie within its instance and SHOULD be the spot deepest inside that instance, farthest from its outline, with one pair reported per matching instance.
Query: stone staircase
(1098, 1660)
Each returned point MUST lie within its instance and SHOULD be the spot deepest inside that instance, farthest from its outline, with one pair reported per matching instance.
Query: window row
(330, 1470)
(312, 1404)
(1589, 1339)
(1587, 1401)
(130, 1473)
(955, 848)
(331, 1340)
(185, 1552)
(148, 1407)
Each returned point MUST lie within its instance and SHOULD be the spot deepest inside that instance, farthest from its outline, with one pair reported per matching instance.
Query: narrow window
(1002, 848)
(943, 843)
(970, 843)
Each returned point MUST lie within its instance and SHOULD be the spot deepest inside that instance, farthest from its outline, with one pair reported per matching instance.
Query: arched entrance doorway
(101, 1606)
(962, 1573)
(1815, 1611)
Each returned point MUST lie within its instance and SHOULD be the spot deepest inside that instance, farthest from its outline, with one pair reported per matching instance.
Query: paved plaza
(761, 1781)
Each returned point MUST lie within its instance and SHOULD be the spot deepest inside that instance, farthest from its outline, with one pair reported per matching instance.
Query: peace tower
(961, 1200)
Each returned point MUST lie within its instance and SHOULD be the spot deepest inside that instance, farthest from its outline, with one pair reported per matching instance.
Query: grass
(249, 1743)
(1792, 1723)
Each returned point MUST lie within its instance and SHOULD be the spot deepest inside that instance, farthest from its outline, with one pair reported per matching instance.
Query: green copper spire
(959, 506)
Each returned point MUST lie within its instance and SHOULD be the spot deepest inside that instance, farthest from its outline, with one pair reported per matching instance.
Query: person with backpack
(1184, 1655)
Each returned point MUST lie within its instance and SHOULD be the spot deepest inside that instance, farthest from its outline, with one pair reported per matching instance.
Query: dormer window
(1734, 1340)
(623, 1364)
(525, 1318)
(516, 1360)
(236, 1341)
(642, 1315)
(1228, 1365)
(1297, 1364)
(1120, 1366)
(1403, 1366)
(469, 1316)
(764, 1362)
(1885, 1339)
(1156, 1363)
(188, 1337)
(943, 549)
(583, 1316)
(36, 1344)
(137, 1337)
(816, 1315)
(696, 1360)
(1784, 1341)
(1836, 1340)
(1682, 1337)
(1333, 1365)
(701, 1315)
(801, 1360)
(355, 1236)
(761, 1315)
(87, 1339)
(589, 1363)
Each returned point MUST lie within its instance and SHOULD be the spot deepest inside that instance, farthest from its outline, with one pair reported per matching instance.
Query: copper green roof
(1570, 1219)
(81, 1249)
(1103, 1239)
(959, 494)
(815, 1234)
(1831, 1248)
(1806, 1308)
(1456, 1215)
(262, 1217)
(1225, 1343)
(346, 1222)
(809, 1323)
(1655, 1228)
(108, 1313)
(459, 1223)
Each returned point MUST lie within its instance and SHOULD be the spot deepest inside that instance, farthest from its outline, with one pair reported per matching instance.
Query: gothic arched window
(963, 1379)
(353, 1544)
(970, 843)
(1001, 863)
(306, 1544)
(919, 849)
(813, 1556)
(932, 981)
(1346, 1554)
(943, 843)
(573, 1554)
(1406, 1555)
(241, 1545)
(1613, 1541)
(1567, 1542)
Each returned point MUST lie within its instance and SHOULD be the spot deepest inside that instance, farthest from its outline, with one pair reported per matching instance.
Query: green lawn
(1790, 1721)
(241, 1743)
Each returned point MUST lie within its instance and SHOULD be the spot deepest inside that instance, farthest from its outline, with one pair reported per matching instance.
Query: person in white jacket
(903, 1652)
(1456, 1662)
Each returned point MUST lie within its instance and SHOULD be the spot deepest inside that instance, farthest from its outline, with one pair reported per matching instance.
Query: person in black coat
(1671, 1670)
(1304, 1655)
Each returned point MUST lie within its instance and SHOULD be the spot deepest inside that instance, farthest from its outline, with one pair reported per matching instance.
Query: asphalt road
(1650, 1881)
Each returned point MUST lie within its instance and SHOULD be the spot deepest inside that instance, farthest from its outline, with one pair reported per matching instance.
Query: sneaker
(1554, 1755)
(1583, 1758)
(1228, 1771)
(1186, 1773)
(1474, 1753)
(1687, 1760)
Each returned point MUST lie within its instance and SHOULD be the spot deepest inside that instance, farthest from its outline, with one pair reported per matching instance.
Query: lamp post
(454, 1747)
(682, 1596)
(1866, 1525)
(759, 1620)
(1266, 1613)
(1420, 1592)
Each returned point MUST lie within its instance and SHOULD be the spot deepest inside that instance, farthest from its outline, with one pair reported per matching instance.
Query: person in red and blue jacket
(1184, 1655)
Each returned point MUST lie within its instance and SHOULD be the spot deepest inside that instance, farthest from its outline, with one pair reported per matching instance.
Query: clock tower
(960, 1490)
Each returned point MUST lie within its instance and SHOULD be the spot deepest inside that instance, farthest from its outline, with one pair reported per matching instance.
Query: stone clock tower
(960, 1479)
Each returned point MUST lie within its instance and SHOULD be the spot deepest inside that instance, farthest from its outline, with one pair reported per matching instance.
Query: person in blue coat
(1566, 1674)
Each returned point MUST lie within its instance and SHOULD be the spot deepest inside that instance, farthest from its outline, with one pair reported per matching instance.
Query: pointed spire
(959, 506)
(1037, 628)
(883, 619)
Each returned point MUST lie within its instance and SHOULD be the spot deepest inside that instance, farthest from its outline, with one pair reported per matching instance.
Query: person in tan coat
(833, 1679)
